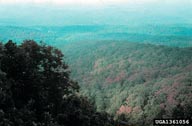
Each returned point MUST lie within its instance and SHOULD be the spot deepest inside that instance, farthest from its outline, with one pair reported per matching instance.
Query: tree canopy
(140, 81)
(36, 89)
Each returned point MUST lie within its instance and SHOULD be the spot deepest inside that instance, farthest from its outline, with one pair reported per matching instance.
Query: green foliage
(176, 35)
(36, 89)
(142, 81)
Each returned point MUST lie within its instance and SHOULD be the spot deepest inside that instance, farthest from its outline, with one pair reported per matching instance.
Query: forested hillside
(95, 62)
(36, 89)
(159, 34)
(142, 81)
(134, 82)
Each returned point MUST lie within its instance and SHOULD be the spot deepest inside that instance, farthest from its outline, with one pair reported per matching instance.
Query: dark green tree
(36, 89)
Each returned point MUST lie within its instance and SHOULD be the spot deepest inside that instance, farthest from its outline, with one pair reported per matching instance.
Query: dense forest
(137, 82)
(95, 62)
(36, 89)
(118, 82)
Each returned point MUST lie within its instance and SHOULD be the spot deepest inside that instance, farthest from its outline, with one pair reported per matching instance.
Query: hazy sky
(122, 12)
(84, 2)
(69, 1)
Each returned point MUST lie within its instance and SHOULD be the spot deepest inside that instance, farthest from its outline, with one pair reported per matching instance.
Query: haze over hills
(171, 35)
(131, 12)
(151, 21)
(132, 58)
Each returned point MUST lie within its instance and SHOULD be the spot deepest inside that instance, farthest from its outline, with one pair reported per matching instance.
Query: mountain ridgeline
(135, 81)
(139, 81)
(159, 34)
(95, 62)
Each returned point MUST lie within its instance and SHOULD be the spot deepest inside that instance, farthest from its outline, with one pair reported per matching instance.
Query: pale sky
(53, 12)
(74, 2)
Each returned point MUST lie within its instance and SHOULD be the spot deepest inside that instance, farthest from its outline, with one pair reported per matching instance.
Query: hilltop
(142, 81)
